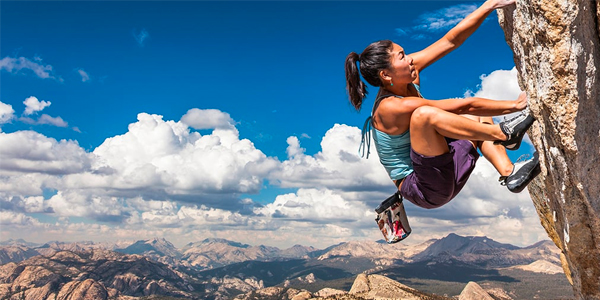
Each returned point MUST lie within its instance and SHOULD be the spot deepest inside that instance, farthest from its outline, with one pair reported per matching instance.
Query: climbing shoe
(523, 173)
(515, 129)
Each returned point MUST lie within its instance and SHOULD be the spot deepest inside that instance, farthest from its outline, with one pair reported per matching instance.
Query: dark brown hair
(374, 58)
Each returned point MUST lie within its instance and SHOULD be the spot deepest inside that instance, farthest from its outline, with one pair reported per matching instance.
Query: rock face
(556, 47)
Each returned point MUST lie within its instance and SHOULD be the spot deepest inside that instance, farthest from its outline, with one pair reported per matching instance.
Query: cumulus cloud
(13, 219)
(23, 204)
(336, 166)
(33, 105)
(207, 119)
(436, 21)
(315, 205)
(166, 155)
(6, 113)
(15, 65)
(72, 203)
(31, 152)
(498, 85)
(155, 158)
(294, 148)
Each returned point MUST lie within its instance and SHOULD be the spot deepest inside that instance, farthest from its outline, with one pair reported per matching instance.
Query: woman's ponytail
(357, 90)
(374, 58)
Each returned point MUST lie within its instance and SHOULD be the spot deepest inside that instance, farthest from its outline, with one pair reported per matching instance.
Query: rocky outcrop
(215, 253)
(365, 287)
(541, 266)
(91, 274)
(556, 47)
(381, 287)
(474, 292)
(272, 293)
(16, 253)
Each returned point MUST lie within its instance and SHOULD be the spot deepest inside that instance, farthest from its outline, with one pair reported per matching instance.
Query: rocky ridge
(131, 275)
(368, 287)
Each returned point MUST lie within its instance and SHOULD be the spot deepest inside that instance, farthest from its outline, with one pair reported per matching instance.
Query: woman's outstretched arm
(457, 35)
(473, 105)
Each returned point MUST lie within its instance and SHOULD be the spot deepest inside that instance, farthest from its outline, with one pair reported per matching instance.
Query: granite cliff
(556, 47)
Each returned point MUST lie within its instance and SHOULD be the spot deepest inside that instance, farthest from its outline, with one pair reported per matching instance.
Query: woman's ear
(384, 75)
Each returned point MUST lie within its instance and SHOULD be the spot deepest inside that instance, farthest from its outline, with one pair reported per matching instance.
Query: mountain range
(223, 269)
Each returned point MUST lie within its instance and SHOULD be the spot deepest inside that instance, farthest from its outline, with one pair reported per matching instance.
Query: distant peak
(224, 241)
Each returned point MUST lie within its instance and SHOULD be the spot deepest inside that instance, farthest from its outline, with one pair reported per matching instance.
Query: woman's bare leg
(429, 126)
(495, 154)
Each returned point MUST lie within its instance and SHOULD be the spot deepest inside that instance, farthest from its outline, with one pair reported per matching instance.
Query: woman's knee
(424, 115)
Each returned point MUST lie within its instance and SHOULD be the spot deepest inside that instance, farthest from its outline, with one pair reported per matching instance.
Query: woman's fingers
(503, 3)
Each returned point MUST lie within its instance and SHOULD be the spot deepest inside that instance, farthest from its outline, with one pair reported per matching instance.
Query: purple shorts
(438, 179)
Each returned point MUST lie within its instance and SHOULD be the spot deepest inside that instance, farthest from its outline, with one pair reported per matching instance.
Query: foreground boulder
(556, 47)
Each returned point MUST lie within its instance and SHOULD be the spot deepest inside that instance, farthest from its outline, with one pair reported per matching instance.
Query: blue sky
(195, 119)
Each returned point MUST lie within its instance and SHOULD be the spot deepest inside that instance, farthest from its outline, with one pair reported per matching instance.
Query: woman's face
(402, 68)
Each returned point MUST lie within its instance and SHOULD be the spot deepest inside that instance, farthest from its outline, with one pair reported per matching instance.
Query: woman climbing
(429, 148)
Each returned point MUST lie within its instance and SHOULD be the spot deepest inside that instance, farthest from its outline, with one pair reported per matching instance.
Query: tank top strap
(365, 141)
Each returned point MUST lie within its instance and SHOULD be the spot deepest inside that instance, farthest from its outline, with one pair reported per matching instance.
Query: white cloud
(15, 65)
(33, 105)
(72, 203)
(336, 166)
(498, 85)
(440, 20)
(445, 18)
(31, 152)
(207, 119)
(294, 148)
(9, 218)
(165, 155)
(141, 37)
(55, 121)
(315, 205)
(15, 183)
(84, 75)
(6, 113)
(155, 157)
(32, 204)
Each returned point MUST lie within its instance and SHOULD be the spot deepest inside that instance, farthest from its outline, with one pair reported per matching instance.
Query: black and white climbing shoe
(515, 129)
(523, 173)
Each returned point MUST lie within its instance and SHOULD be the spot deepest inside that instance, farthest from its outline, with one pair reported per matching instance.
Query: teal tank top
(393, 150)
